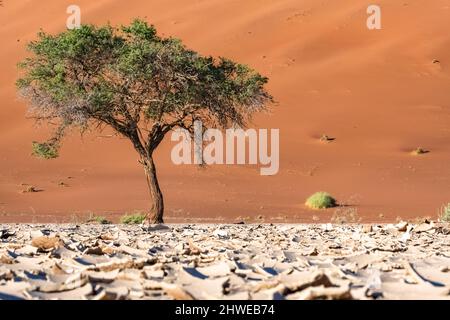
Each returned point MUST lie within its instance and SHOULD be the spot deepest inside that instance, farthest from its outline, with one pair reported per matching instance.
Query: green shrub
(136, 218)
(97, 219)
(101, 220)
(444, 214)
(44, 150)
(320, 200)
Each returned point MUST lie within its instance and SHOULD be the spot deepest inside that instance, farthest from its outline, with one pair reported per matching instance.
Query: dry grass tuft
(136, 218)
(320, 200)
(419, 151)
(325, 138)
(30, 189)
(444, 214)
(345, 215)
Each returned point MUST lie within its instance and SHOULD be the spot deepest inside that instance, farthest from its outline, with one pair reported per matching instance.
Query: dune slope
(379, 93)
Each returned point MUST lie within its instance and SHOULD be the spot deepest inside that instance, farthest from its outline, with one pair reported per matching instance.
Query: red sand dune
(377, 92)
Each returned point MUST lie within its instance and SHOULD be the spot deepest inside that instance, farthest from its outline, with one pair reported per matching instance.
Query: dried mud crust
(401, 261)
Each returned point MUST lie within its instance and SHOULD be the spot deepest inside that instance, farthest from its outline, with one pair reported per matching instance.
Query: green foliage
(444, 214)
(99, 220)
(320, 200)
(44, 150)
(136, 218)
(105, 74)
(55, 57)
(141, 30)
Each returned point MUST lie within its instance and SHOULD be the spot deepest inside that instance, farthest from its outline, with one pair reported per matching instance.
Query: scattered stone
(107, 237)
(323, 293)
(154, 274)
(94, 250)
(194, 249)
(402, 226)
(367, 228)
(102, 277)
(45, 243)
(445, 269)
(424, 227)
(406, 236)
(217, 270)
(266, 261)
(5, 234)
(221, 234)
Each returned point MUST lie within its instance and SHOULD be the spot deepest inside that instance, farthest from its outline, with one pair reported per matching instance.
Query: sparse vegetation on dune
(99, 220)
(326, 138)
(135, 218)
(444, 213)
(30, 189)
(345, 215)
(321, 200)
(419, 151)
(44, 150)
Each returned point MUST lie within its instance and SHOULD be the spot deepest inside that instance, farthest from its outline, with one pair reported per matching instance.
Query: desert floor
(205, 261)
(379, 93)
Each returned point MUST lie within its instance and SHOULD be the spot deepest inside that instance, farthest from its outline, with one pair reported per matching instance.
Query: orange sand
(377, 92)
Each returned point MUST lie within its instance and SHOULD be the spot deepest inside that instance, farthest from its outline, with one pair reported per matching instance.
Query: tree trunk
(157, 209)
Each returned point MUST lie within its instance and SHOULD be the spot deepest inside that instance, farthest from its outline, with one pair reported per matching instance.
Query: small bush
(136, 218)
(30, 189)
(325, 138)
(100, 220)
(320, 200)
(97, 219)
(44, 150)
(444, 214)
(419, 151)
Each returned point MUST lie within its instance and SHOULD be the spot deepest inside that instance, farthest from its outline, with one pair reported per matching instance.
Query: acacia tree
(136, 82)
